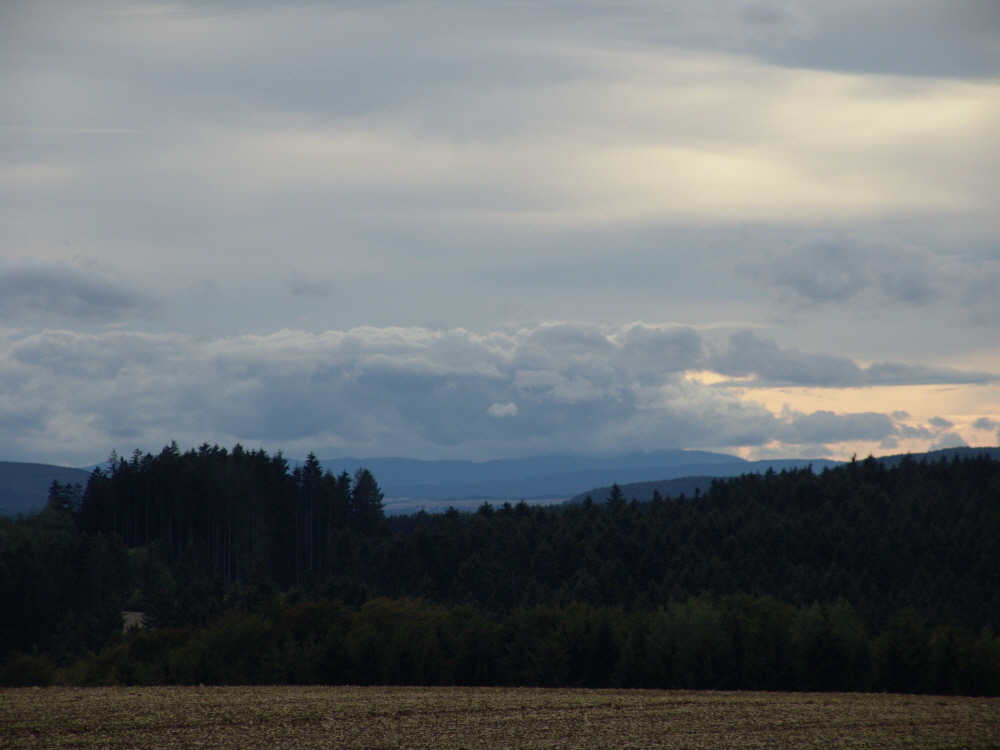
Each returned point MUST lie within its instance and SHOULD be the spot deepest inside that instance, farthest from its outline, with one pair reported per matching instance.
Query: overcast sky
(491, 229)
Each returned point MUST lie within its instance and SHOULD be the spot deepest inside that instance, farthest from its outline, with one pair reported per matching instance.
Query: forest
(859, 577)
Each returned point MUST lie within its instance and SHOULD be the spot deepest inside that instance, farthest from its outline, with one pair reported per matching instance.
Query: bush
(27, 670)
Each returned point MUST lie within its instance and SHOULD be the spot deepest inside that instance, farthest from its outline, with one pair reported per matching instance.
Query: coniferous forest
(860, 577)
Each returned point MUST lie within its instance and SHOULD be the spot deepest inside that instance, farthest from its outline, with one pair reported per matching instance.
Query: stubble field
(347, 717)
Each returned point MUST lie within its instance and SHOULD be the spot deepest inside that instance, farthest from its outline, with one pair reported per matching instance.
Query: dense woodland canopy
(858, 577)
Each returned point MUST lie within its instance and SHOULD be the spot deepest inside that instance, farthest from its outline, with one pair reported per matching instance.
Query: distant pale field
(345, 717)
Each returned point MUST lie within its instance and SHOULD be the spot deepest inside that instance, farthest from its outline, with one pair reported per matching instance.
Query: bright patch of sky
(432, 228)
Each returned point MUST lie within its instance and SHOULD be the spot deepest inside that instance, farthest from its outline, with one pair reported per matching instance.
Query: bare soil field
(347, 717)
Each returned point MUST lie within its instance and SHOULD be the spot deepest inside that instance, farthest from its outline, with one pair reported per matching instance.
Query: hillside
(25, 487)
(686, 485)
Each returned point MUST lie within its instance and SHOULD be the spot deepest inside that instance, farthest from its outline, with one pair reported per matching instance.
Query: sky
(482, 229)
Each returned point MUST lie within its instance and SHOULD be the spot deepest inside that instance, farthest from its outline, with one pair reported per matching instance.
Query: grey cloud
(36, 290)
(985, 423)
(749, 355)
(951, 38)
(828, 427)
(383, 391)
(829, 269)
(303, 287)
(895, 373)
(918, 432)
(767, 13)
(826, 270)
(936, 431)
(948, 440)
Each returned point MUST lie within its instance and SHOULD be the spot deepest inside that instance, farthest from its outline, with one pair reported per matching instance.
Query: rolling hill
(25, 487)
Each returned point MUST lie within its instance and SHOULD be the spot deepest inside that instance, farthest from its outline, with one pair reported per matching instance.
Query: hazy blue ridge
(947, 453)
(25, 487)
(410, 471)
(411, 484)
(643, 491)
(672, 486)
(687, 478)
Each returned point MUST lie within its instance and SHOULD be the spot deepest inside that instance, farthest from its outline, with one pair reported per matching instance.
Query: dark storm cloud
(31, 290)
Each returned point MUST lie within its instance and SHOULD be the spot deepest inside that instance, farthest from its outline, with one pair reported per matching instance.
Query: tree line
(734, 643)
(237, 509)
(905, 558)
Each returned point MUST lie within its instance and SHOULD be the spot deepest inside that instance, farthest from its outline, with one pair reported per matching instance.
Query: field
(345, 717)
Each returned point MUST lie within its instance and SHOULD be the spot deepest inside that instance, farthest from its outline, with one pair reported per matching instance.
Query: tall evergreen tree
(368, 511)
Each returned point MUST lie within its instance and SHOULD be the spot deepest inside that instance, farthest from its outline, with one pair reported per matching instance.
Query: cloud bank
(553, 387)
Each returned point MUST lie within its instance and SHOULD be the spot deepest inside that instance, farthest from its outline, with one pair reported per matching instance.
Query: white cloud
(503, 410)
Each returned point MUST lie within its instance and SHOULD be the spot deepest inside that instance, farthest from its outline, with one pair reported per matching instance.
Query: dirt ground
(346, 717)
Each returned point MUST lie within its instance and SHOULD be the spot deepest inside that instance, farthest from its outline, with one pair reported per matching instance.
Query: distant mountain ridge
(25, 486)
(412, 471)
(674, 487)
(411, 484)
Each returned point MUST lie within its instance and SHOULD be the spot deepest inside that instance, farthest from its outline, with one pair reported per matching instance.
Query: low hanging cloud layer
(548, 388)
(33, 290)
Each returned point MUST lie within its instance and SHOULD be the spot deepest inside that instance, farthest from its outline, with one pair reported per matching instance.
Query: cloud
(985, 423)
(830, 269)
(503, 410)
(826, 270)
(33, 290)
(770, 15)
(895, 373)
(749, 355)
(948, 440)
(827, 427)
(557, 387)
(303, 287)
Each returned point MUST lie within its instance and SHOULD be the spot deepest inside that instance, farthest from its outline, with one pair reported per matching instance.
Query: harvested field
(345, 717)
